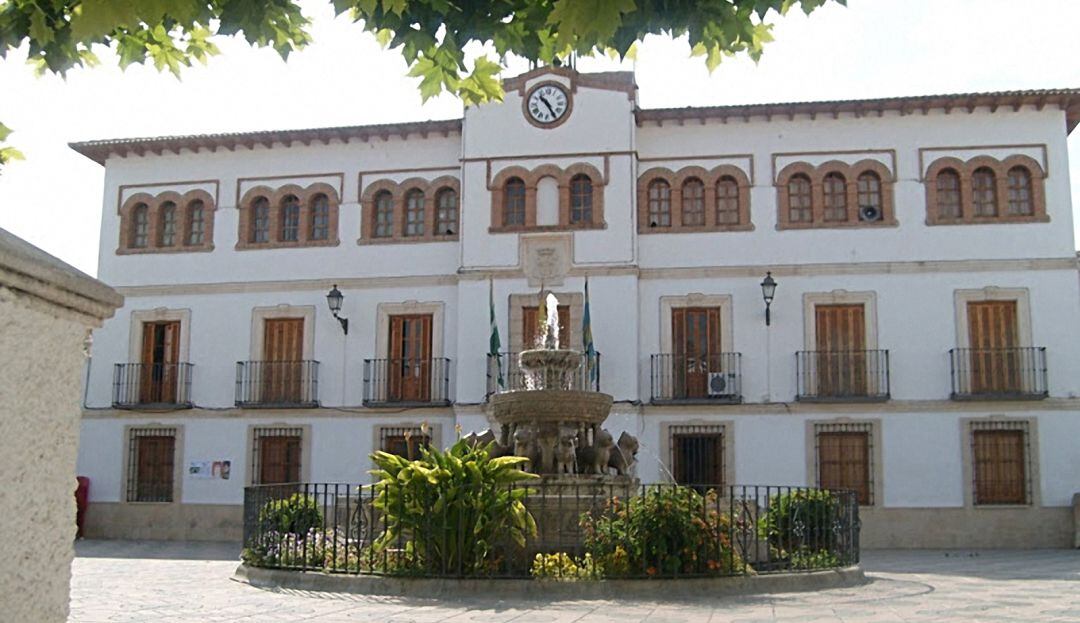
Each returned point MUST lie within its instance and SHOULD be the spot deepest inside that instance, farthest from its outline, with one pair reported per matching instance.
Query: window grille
(403, 441)
(260, 220)
(727, 202)
(168, 224)
(581, 199)
(447, 216)
(290, 218)
(1020, 202)
(1001, 462)
(984, 192)
(384, 215)
(414, 213)
(514, 202)
(800, 200)
(140, 226)
(196, 224)
(835, 192)
(844, 456)
(948, 194)
(697, 454)
(320, 217)
(693, 203)
(276, 455)
(659, 204)
(150, 464)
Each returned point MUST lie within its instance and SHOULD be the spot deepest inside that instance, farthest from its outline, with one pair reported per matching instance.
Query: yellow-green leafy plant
(563, 567)
(457, 511)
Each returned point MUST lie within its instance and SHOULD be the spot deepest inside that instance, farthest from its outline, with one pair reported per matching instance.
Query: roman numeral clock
(547, 104)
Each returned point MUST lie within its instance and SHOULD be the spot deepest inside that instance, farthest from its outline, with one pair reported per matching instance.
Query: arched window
(948, 194)
(384, 215)
(800, 199)
(581, 199)
(446, 216)
(514, 202)
(984, 192)
(1020, 200)
(727, 201)
(290, 218)
(260, 220)
(693, 203)
(167, 231)
(834, 188)
(659, 204)
(140, 226)
(196, 226)
(320, 217)
(414, 212)
(869, 195)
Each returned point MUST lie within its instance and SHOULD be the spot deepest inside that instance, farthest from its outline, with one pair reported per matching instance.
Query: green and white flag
(587, 342)
(494, 343)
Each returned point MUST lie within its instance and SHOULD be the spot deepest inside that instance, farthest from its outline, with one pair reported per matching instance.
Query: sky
(872, 48)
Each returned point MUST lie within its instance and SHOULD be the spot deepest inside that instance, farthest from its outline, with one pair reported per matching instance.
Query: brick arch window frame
(985, 195)
(438, 187)
(531, 178)
(288, 210)
(153, 205)
(817, 176)
(415, 200)
(1001, 168)
(646, 182)
(276, 198)
(188, 204)
(692, 204)
(742, 187)
(167, 225)
(399, 193)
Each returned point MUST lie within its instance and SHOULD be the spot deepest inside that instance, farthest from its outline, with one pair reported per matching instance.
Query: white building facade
(922, 343)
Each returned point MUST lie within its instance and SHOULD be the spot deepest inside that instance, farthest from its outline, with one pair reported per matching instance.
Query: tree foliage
(432, 35)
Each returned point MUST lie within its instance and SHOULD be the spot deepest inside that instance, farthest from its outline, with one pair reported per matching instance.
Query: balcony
(407, 382)
(152, 386)
(504, 374)
(999, 373)
(696, 379)
(277, 384)
(842, 376)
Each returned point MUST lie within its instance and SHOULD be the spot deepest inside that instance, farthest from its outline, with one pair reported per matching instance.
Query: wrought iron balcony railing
(843, 375)
(277, 384)
(407, 382)
(152, 385)
(504, 374)
(999, 373)
(678, 378)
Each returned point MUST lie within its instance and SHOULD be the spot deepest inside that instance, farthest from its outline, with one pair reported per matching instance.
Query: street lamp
(334, 299)
(768, 291)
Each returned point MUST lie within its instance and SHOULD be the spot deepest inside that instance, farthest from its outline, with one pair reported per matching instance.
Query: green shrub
(454, 510)
(667, 531)
(798, 527)
(561, 567)
(298, 514)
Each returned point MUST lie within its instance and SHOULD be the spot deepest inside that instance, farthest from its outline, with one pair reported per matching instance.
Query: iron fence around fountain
(505, 374)
(345, 528)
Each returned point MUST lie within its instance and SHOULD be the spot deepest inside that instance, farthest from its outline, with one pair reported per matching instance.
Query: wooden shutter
(154, 468)
(160, 354)
(992, 335)
(409, 367)
(279, 459)
(844, 462)
(282, 375)
(1000, 466)
(530, 326)
(839, 369)
(697, 345)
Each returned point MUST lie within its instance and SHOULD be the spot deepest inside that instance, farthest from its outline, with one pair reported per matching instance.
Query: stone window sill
(206, 248)
(406, 240)
(252, 246)
(840, 225)
(522, 229)
(997, 220)
(696, 230)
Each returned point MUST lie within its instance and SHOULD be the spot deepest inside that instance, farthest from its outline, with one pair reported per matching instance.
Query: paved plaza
(144, 581)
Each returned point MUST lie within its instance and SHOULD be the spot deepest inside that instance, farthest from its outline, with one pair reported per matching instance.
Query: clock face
(548, 104)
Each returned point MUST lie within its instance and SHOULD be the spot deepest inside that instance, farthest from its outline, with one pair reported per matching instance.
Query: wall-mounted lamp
(334, 299)
(768, 291)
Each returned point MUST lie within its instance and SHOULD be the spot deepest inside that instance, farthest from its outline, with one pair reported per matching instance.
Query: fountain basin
(550, 406)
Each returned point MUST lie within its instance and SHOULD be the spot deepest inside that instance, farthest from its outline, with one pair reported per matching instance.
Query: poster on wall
(209, 470)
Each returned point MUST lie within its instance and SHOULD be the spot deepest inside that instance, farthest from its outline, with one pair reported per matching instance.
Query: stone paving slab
(189, 583)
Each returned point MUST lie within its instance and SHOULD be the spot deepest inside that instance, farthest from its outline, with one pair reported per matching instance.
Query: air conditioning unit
(869, 213)
(722, 384)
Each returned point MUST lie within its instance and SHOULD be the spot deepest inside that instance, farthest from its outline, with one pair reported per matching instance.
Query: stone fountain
(555, 420)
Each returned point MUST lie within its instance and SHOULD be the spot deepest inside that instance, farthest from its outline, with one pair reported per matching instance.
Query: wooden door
(282, 374)
(409, 367)
(159, 371)
(992, 336)
(279, 459)
(841, 351)
(844, 462)
(696, 338)
(1000, 467)
(530, 327)
(154, 468)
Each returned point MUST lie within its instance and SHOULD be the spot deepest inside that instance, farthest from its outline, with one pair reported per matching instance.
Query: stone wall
(46, 310)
